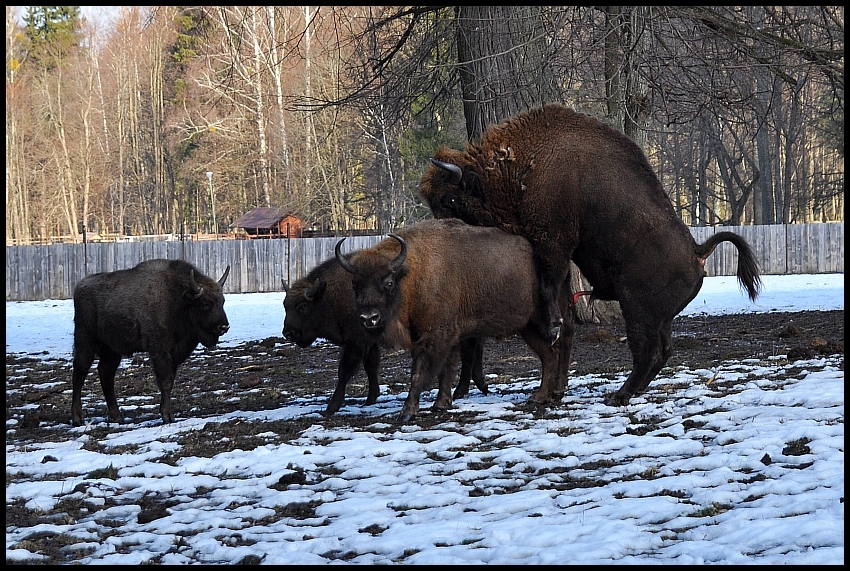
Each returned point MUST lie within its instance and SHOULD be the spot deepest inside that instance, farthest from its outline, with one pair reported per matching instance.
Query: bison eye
(389, 284)
(302, 308)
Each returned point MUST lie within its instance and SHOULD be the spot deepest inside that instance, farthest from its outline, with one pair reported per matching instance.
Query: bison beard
(322, 305)
(442, 283)
(578, 189)
(162, 307)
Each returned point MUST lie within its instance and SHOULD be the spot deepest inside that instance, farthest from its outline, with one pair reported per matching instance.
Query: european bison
(162, 307)
(322, 305)
(579, 189)
(438, 283)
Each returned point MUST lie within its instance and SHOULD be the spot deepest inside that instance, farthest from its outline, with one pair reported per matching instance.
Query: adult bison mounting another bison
(162, 307)
(578, 189)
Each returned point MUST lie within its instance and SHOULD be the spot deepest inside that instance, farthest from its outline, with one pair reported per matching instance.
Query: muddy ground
(271, 373)
(267, 374)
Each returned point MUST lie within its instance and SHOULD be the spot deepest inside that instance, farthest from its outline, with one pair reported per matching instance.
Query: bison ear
(315, 291)
(472, 184)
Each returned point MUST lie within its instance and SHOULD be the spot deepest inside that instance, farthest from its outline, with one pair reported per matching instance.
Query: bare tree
(333, 111)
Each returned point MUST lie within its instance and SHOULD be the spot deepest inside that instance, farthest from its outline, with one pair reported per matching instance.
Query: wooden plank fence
(50, 271)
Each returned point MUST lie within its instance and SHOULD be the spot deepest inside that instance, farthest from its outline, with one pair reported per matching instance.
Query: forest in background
(172, 119)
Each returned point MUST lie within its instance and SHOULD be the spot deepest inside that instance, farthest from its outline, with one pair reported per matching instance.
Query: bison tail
(748, 269)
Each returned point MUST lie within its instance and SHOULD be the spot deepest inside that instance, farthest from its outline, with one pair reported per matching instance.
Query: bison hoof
(441, 406)
(538, 397)
(331, 409)
(617, 399)
(459, 394)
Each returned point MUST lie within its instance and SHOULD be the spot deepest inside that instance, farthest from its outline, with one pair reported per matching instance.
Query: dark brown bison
(322, 305)
(579, 189)
(162, 307)
(439, 283)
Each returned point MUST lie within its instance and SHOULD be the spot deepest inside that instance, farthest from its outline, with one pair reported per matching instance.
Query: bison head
(375, 277)
(304, 311)
(206, 307)
(452, 191)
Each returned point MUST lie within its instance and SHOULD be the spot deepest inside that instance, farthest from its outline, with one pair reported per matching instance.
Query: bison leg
(549, 361)
(349, 360)
(478, 367)
(555, 359)
(446, 377)
(372, 363)
(83, 359)
(471, 367)
(651, 348)
(428, 362)
(106, 368)
(565, 343)
(164, 371)
(665, 339)
(553, 268)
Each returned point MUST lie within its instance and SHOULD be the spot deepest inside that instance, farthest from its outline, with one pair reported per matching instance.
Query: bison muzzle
(162, 307)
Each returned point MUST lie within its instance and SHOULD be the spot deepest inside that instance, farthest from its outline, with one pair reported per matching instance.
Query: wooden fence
(51, 271)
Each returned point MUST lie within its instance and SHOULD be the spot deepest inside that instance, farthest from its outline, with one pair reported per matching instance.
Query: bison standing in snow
(578, 189)
(439, 283)
(162, 307)
(321, 304)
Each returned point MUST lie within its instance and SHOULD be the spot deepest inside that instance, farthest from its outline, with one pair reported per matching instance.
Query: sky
(711, 480)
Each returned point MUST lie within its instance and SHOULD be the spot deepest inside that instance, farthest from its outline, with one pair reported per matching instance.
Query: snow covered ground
(743, 463)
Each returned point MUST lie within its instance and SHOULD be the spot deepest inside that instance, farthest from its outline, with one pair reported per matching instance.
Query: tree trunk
(502, 73)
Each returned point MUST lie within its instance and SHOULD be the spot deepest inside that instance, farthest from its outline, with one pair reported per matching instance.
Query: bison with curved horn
(578, 189)
(162, 307)
(321, 305)
(439, 283)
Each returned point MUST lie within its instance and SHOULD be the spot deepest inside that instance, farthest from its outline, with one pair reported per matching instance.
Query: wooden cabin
(264, 222)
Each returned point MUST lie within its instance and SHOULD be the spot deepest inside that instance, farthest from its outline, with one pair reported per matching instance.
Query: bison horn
(224, 276)
(455, 171)
(311, 292)
(346, 265)
(197, 291)
(285, 286)
(399, 260)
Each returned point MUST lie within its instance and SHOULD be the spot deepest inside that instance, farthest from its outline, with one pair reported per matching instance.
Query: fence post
(85, 252)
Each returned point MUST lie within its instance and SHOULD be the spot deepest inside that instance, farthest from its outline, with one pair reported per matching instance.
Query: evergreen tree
(52, 32)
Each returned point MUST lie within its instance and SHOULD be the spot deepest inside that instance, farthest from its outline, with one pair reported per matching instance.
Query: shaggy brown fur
(321, 304)
(578, 189)
(456, 282)
(162, 307)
